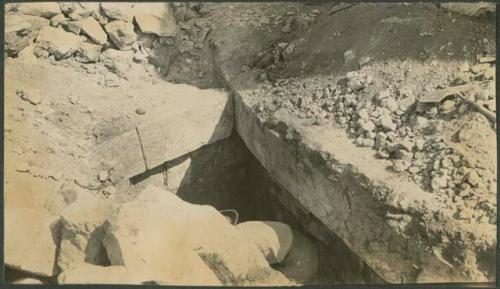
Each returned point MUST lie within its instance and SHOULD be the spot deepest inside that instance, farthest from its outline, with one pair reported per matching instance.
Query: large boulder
(30, 244)
(58, 42)
(93, 30)
(88, 52)
(118, 10)
(21, 30)
(81, 232)
(74, 10)
(121, 34)
(146, 238)
(41, 9)
(154, 25)
(96, 11)
(158, 227)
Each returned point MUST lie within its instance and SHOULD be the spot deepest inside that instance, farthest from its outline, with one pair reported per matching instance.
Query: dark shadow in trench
(227, 176)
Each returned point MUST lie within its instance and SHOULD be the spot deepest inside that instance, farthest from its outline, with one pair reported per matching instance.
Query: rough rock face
(81, 233)
(57, 42)
(93, 30)
(119, 11)
(88, 52)
(191, 232)
(117, 61)
(21, 30)
(142, 240)
(30, 244)
(121, 34)
(154, 25)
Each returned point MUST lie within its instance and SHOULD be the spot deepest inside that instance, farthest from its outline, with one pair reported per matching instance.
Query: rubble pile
(114, 34)
(378, 106)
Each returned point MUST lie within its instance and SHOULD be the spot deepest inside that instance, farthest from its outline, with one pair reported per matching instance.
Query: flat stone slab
(205, 117)
(29, 242)
(186, 119)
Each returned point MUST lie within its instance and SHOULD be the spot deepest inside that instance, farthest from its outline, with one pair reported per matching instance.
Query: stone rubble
(121, 34)
(57, 42)
(390, 122)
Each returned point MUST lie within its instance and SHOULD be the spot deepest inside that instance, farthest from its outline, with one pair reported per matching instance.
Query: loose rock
(119, 11)
(400, 165)
(57, 42)
(21, 30)
(58, 20)
(385, 121)
(42, 9)
(88, 52)
(93, 30)
(117, 61)
(160, 26)
(121, 34)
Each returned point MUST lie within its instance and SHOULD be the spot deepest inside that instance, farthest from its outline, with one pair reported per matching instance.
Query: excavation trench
(228, 177)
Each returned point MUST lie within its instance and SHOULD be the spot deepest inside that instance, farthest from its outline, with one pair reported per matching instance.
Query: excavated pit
(227, 176)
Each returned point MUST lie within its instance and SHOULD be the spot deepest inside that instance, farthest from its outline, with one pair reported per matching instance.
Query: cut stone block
(29, 241)
(203, 117)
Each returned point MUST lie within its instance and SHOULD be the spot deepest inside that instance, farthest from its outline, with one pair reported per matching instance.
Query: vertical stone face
(30, 244)
(353, 197)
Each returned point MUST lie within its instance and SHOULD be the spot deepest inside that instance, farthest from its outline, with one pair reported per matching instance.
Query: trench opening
(228, 177)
